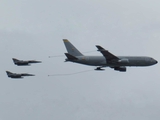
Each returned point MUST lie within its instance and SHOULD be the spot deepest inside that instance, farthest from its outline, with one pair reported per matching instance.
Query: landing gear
(99, 68)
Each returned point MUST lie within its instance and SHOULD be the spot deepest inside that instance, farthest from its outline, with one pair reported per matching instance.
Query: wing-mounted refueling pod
(99, 69)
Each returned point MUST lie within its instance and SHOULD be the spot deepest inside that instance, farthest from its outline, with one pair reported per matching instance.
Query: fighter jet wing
(109, 56)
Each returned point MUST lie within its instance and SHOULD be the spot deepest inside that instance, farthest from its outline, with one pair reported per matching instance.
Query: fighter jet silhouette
(24, 63)
(17, 75)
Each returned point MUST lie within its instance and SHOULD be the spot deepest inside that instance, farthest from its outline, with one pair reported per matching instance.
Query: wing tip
(100, 48)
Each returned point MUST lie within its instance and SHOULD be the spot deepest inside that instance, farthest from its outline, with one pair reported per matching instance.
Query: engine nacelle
(123, 61)
(121, 69)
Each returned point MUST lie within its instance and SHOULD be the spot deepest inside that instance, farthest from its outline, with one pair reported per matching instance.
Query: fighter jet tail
(15, 60)
(9, 73)
(72, 50)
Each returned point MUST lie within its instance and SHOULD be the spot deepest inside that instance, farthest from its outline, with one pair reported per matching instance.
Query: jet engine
(121, 69)
(123, 61)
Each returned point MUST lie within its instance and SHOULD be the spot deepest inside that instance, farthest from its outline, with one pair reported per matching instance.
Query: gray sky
(33, 29)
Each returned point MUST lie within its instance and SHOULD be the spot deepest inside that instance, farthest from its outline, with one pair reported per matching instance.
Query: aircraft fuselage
(124, 61)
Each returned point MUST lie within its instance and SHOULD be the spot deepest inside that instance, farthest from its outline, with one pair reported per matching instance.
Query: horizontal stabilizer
(71, 57)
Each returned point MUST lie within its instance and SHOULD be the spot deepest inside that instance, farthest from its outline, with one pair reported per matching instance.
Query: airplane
(22, 62)
(19, 75)
(118, 63)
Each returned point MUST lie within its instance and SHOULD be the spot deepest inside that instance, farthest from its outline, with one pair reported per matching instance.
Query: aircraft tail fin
(15, 60)
(8, 73)
(72, 50)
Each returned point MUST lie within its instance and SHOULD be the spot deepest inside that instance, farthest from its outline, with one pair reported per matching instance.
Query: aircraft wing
(109, 56)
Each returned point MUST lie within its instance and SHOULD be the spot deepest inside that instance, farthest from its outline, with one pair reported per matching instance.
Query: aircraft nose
(156, 61)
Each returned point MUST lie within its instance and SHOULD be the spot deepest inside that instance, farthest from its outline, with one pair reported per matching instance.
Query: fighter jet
(19, 75)
(118, 63)
(24, 63)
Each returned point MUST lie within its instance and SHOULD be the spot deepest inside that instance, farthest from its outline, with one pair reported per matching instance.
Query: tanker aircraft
(118, 63)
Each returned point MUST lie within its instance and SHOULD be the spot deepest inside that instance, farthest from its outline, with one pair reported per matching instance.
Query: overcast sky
(33, 29)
